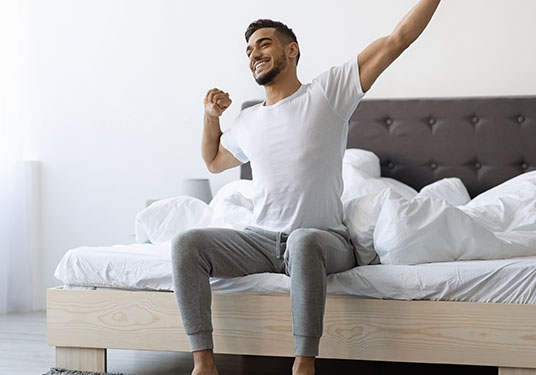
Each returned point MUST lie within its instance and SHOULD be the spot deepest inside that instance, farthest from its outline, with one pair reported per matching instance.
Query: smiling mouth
(259, 65)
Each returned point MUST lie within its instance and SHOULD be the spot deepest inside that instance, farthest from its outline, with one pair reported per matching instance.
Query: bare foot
(304, 366)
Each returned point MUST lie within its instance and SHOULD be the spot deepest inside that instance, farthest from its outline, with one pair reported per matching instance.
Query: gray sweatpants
(306, 255)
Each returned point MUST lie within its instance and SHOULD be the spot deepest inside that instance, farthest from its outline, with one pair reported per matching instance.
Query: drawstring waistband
(280, 244)
(280, 239)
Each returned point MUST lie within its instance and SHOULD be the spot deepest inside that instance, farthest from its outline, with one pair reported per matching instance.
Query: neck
(281, 89)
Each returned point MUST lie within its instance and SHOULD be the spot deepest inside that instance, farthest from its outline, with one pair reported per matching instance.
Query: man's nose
(255, 54)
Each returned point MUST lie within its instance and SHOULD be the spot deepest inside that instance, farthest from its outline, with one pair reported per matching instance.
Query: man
(295, 142)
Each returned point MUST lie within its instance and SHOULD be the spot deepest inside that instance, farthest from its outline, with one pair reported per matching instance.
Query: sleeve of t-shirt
(229, 140)
(342, 87)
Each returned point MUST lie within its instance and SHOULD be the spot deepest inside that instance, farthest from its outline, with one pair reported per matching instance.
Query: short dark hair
(283, 30)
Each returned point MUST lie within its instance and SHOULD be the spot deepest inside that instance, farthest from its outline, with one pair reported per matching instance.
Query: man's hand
(216, 102)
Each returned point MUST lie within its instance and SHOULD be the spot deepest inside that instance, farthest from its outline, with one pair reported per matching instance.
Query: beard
(268, 77)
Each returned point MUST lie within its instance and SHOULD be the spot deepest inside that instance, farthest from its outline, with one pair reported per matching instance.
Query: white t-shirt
(296, 148)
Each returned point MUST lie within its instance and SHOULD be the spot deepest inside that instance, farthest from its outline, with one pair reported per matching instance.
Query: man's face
(266, 55)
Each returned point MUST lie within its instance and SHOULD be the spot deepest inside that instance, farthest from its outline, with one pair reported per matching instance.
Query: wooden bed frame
(484, 141)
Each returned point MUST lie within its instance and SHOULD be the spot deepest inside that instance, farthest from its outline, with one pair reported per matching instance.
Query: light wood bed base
(82, 324)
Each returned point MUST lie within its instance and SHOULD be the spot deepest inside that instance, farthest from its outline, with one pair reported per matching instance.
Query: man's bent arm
(216, 157)
(375, 58)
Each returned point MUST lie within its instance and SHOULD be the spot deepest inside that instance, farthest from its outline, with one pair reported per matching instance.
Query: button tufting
(524, 166)
(390, 165)
(433, 165)
(431, 121)
(478, 165)
(389, 121)
(475, 120)
(520, 119)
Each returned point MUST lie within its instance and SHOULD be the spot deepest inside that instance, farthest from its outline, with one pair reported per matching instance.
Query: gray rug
(60, 371)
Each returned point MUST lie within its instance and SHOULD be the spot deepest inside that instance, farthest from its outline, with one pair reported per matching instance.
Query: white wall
(116, 88)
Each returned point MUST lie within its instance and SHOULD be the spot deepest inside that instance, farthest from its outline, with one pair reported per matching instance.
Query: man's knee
(304, 244)
(185, 245)
(305, 238)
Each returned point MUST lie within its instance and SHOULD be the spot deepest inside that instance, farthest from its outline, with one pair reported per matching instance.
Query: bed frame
(484, 141)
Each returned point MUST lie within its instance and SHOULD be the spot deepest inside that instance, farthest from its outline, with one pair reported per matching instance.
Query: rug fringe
(62, 371)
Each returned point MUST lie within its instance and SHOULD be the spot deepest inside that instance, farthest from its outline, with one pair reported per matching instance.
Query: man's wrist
(211, 118)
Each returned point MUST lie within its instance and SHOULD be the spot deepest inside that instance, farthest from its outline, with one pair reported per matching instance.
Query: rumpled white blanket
(425, 230)
(441, 223)
(389, 222)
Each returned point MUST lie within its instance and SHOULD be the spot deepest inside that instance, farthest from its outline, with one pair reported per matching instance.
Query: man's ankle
(303, 366)
(204, 363)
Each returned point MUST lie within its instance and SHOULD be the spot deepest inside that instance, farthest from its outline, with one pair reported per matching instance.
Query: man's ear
(293, 50)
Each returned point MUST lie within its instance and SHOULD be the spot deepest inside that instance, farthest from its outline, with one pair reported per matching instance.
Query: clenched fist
(216, 102)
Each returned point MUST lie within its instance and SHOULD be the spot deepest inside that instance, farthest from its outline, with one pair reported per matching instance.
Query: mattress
(148, 267)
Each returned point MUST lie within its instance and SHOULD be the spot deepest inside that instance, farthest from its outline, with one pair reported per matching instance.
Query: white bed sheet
(148, 267)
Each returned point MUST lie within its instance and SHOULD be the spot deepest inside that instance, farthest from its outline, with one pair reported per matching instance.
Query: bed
(482, 141)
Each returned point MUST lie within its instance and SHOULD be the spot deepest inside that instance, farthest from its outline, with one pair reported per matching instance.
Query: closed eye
(261, 43)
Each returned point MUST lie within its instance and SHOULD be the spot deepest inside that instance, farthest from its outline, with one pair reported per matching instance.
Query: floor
(24, 351)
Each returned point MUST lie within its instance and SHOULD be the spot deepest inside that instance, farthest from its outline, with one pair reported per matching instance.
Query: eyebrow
(257, 42)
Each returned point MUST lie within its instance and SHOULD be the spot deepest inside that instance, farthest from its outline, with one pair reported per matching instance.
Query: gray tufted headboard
(483, 141)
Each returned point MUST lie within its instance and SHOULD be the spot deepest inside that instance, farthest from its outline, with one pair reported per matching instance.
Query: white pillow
(164, 219)
(363, 160)
(449, 189)
(233, 205)
(358, 184)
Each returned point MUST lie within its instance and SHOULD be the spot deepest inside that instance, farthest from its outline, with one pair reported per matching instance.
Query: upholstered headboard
(483, 141)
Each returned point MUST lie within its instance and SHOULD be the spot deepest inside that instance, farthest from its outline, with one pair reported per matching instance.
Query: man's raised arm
(375, 58)
(216, 157)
